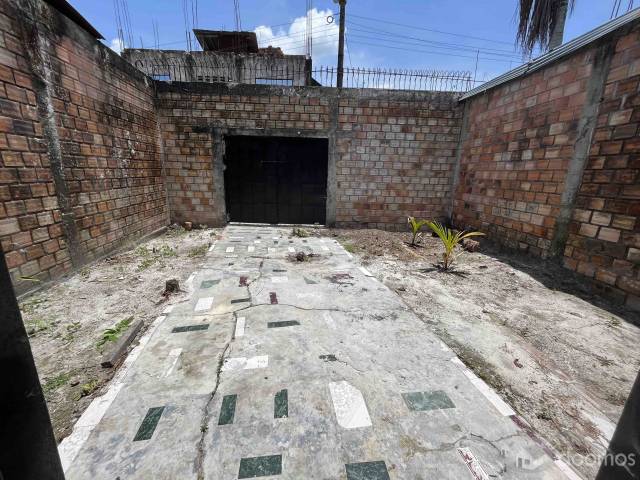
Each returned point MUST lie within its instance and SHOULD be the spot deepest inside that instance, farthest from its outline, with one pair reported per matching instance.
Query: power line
(428, 29)
(432, 53)
(414, 44)
(433, 42)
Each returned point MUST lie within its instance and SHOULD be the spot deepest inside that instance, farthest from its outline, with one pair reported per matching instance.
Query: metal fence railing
(396, 79)
(296, 72)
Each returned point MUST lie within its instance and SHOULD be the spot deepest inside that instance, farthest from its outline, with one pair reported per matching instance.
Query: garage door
(276, 179)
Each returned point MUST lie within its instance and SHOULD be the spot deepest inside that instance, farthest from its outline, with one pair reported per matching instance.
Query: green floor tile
(367, 471)
(285, 323)
(149, 424)
(421, 401)
(190, 328)
(281, 404)
(260, 466)
(228, 410)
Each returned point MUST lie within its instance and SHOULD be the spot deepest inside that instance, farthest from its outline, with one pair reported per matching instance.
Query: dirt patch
(73, 322)
(564, 358)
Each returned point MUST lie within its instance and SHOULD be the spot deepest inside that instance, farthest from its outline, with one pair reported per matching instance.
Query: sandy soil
(66, 321)
(564, 359)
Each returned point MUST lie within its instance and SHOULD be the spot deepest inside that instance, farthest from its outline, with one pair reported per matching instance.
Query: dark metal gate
(276, 179)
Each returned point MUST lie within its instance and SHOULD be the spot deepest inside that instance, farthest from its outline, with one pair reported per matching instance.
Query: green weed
(114, 333)
(56, 382)
(199, 251)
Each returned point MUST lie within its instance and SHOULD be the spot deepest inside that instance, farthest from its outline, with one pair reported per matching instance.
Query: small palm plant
(450, 239)
(415, 226)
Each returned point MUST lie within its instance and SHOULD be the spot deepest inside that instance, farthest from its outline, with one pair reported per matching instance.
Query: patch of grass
(89, 387)
(56, 382)
(154, 255)
(52, 384)
(176, 231)
(349, 247)
(114, 333)
(72, 328)
(614, 322)
(300, 232)
(38, 324)
(31, 305)
(199, 251)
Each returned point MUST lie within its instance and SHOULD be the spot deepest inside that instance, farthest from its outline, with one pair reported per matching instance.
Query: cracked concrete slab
(351, 354)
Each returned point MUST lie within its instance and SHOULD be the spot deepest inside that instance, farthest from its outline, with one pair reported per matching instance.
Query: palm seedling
(450, 240)
(415, 226)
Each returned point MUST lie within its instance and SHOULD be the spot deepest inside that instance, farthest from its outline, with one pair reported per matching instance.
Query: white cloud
(292, 39)
(116, 45)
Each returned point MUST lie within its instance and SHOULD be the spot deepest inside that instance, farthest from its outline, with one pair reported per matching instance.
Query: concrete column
(37, 48)
(586, 126)
(27, 445)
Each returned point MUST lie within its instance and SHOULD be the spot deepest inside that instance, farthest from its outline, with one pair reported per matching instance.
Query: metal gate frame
(219, 135)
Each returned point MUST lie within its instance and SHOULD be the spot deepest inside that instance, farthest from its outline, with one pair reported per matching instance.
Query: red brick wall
(105, 129)
(516, 153)
(31, 232)
(394, 152)
(396, 158)
(604, 238)
(517, 149)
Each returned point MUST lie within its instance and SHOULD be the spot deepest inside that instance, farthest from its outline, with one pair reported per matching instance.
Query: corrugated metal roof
(557, 53)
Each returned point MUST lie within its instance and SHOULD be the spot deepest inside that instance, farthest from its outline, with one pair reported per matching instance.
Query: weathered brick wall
(81, 173)
(31, 231)
(394, 152)
(604, 238)
(521, 140)
(396, 157)
(516, 153)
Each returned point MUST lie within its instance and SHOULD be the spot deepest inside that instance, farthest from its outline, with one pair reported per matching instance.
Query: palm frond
(537, 20)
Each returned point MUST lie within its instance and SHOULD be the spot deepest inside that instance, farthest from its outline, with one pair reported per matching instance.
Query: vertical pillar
(343, 4)
(586, 127)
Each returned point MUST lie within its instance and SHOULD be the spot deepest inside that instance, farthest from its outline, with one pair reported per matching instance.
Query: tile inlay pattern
(149, 424)
(228, 410)
(421, 401)
(367, 471)
(260, 466)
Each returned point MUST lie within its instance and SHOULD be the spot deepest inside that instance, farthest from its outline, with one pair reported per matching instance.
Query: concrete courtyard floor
(297, 370)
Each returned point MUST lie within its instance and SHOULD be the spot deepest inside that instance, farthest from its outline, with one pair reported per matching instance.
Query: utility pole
(343, 4)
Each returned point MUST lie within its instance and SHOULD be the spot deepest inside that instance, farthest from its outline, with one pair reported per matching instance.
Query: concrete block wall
(192, 122)
(395, 158)
(80, 172)
(392, 154)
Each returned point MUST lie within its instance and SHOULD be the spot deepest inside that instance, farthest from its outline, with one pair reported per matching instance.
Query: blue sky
(447, 33)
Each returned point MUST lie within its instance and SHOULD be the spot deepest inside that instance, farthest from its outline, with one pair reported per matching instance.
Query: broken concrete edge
(70, 446)
(123, 247)
(508, 411)
(112, 358)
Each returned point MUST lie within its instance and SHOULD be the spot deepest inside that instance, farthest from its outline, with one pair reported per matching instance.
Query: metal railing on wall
(280, 71)
(396, 79)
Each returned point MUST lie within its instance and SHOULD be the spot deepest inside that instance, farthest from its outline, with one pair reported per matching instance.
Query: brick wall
(395, 158)
(80, 173)
(31, 230)
(523, 138)
(394, 152)
(516, 152)
(187, 120)
(604, 238)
